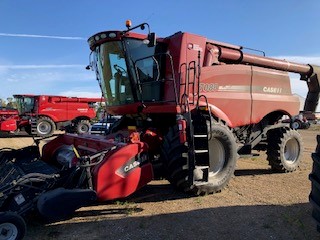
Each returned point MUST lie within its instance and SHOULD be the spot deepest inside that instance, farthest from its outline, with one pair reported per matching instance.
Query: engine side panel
(243, 95)
(271, 91)
(227, 88)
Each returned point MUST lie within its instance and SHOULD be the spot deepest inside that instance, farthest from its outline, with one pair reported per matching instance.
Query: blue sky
(56, 65)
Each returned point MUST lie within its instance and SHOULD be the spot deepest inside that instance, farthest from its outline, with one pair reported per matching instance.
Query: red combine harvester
(190, 107)
(41, 115)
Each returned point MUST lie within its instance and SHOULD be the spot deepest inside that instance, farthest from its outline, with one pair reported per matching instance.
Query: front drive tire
(284, 150)
(222, 160)
(12, 226)
(45, 127)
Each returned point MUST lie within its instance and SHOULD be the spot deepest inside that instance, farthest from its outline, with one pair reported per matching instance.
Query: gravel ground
(257, 204)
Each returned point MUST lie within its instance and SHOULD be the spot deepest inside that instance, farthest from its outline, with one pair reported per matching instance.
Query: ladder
(33, 123)
(197, 126)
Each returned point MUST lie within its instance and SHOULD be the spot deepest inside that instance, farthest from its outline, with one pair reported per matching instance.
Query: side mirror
(152, 39)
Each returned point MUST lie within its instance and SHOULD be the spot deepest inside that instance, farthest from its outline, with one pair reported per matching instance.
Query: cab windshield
(25, 104)
(115, 66)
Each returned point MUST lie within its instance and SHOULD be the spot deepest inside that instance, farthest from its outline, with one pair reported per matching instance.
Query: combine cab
(190, 107)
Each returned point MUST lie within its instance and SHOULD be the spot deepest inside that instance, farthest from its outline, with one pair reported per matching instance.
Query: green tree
(2, 102)
(11, 103)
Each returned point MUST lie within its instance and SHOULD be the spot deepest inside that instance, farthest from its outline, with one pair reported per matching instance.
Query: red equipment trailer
(41, 115)
(190, 107)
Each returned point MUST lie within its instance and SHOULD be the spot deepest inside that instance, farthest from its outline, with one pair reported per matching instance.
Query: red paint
(109, 184)
(60, 109)
(182, 125)
(224, 65)
(8, 119)
(8, 125)
(108, 181)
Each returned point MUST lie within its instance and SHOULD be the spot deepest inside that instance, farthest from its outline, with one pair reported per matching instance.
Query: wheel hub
(291, 151)
(8, 231)
(217, 159)
(84, 129)
(44, 128)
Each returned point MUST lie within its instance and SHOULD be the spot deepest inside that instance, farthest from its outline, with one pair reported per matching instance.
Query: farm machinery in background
(6, 114)
(41, 115)
(301, 120)
(190, 107)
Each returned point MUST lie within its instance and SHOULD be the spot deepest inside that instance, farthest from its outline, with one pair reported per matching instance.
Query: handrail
(158, 76)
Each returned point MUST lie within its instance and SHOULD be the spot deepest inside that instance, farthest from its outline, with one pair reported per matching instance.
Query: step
(249, 155)
(201, 151)
(199, 183)
(200, 135)
(200, 174)
(201, 167)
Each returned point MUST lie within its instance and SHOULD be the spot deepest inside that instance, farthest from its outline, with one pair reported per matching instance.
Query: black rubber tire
(12, 226)
(307, 125)
(296, 124)
(82, 126)
(176, 155)
(314, 177)
(45, 127)
(284, 151)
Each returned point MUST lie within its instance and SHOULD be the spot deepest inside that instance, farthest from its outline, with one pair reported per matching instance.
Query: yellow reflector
(132, 128)
(204, 108)
(75, 151)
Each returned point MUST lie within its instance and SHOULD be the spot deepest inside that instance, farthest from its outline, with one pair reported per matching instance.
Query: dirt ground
(257, 204)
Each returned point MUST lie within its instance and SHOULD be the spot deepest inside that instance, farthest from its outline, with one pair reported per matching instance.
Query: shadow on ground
(235, 222)
(21, 134)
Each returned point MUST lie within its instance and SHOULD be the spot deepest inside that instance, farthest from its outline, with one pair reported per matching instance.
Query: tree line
(8, 103)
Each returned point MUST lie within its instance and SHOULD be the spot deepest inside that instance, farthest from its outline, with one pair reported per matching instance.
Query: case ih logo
(215, 87)
(272, 90)
(132, 164)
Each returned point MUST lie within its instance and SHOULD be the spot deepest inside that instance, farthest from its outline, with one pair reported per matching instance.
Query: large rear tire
(314, 177)
(12, 226)
(45, 127)
(284, 149)
(222, 160)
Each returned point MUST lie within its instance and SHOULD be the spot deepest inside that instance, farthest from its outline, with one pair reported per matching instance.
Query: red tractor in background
(41, 115)
(191, 106)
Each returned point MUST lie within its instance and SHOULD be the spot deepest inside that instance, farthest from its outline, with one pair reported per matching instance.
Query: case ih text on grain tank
(41, 115)
(190, 107)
